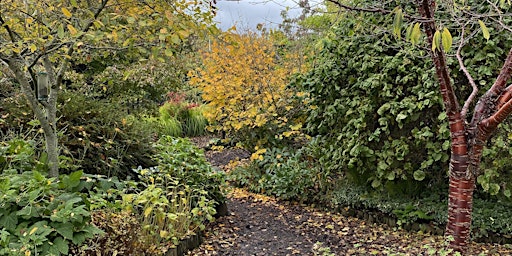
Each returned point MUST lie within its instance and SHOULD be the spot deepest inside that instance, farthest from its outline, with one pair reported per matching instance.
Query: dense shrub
(42, 216)
(287, 173)
(100, 138)
(376, 104)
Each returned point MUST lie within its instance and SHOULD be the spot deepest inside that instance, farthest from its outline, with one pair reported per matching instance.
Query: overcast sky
(246, 14)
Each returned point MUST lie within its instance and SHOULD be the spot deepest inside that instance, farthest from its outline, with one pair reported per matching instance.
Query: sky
(246, 14)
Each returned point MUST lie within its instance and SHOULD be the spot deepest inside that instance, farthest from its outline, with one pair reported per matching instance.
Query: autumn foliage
(244, 80)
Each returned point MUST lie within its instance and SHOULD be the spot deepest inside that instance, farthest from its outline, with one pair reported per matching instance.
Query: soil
(261, 225)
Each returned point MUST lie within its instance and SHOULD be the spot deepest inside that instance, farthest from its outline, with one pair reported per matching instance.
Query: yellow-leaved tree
(244, 79)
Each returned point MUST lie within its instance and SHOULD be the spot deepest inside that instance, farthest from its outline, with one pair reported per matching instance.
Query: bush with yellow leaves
(244, 79)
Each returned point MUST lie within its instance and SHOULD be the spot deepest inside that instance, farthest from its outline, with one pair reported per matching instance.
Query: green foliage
(169, 212)
(181, 160)
(99, 137)
(174, 199)
(291, 175)
(490, 216)
(19, 154)
(376, 107)
(42, 216)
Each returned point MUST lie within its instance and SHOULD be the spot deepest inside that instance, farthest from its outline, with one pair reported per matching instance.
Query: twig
(471, 81)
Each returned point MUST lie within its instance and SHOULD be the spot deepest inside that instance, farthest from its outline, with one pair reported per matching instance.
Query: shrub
(101, 139)
(288, 174)
(180, 159)
(42, 216)
(249, 101)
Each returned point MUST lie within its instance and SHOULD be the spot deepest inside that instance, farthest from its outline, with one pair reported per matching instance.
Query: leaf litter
(263, 225)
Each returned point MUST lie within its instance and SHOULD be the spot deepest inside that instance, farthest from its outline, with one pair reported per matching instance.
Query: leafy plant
(288, 174)
(41, 215)
(180, 159)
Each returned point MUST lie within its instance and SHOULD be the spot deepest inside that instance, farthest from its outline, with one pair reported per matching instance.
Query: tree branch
(505, 97)
(486, 101)
(471, 81)
(376, 10)
(9, 31)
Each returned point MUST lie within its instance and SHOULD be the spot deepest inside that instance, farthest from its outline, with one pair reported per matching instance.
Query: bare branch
(9, 31)
(376, 10)
(471, 81)
(504, 97)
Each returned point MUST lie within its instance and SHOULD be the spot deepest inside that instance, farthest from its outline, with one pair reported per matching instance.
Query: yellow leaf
(435, 41)
(446, 39)
(66, 12)
(415, 34)
(33, 48)
(485, 30)
(72, 29)
(164, 233)
(148, 211)
(296, 127)
(33, 230)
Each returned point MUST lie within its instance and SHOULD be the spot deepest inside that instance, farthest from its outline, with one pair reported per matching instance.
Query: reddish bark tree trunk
(467, 140)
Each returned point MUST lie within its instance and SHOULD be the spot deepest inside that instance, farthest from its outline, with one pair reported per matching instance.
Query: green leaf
(60, 31)
(61, 245)
(401, 116)
(435, 41)
(485, 30)
(64, 229)
(446, 39)
(73, 180)
(415, 34)
(419, 175)
(376, 183)
(507, 193)
(28, 212)
(175, 39)
(408, 32)
(494, 189)
(9, 221)
(385, 107)
(79, 238)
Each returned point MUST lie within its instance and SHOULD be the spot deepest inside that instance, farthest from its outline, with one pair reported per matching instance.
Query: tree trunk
(46, 118)
(52, 150)
(462, 183)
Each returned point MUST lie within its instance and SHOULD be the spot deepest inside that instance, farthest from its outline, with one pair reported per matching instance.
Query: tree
(244, 79)
(469, 134)
(43, 37)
